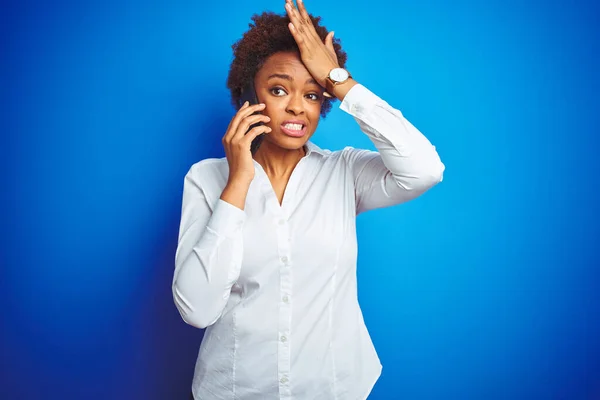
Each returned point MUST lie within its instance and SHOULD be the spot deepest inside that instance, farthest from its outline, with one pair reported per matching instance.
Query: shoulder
(208, 166)
(347, 156)
(350, 155)
(208, 175)
(326, 154)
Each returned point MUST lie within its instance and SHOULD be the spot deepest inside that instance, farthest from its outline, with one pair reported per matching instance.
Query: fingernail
(332, 34)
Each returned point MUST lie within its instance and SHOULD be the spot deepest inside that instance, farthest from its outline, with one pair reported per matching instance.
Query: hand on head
(318, 57)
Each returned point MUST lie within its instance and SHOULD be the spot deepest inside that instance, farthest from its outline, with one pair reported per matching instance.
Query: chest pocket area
(327, 217)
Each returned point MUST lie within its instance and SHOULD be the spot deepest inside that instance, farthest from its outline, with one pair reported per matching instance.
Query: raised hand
(237, 142)
(319, 58)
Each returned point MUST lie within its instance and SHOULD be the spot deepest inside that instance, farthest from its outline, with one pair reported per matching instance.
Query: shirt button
(283, 380)
(286, 299)
(284, 259)
(284, 339)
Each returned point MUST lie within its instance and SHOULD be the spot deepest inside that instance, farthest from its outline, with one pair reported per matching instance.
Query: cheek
(316, 109)
(315, 114)
(273, 108)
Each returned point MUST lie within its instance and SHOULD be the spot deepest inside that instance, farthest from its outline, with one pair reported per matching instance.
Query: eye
(277, 91)
(313, 96)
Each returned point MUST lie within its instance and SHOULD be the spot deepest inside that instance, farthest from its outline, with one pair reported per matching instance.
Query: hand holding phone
(245, 127)
(249, 95)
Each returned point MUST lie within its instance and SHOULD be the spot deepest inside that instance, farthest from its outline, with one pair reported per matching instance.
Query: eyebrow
(289, 78)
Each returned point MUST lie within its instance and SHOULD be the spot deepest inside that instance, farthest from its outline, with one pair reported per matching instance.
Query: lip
(292, 133)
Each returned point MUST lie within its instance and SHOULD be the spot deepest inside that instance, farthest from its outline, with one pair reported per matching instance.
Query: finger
(247, 123)
(239, 117)
(289, 9)
(298, 37)
(295, 17)
(305, 17)
(302, 10)
(244, 111)
(246, 103)
(302, 28)
(253, 133)
(329, 42)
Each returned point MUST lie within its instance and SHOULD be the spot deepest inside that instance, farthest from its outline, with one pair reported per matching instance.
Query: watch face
(339, 74)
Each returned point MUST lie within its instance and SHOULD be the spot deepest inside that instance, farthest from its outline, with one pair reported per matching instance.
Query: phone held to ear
(249, 95)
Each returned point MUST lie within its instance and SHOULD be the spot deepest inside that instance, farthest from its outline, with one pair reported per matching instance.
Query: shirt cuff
(359, 101)
(226, 219)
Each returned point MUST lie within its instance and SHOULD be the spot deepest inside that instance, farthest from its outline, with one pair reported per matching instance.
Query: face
(292, 97)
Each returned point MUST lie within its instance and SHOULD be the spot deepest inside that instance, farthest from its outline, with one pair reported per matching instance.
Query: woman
(267, 252)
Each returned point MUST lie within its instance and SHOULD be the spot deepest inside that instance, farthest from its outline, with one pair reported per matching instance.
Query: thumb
(329, 42)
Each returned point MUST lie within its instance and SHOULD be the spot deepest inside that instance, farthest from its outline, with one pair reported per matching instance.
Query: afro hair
(269, 34)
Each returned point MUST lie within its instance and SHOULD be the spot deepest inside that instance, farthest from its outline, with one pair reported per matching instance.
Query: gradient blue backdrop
(487, 287)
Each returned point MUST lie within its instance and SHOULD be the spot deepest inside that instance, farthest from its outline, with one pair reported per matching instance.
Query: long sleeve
(406, 163)
(209, 254)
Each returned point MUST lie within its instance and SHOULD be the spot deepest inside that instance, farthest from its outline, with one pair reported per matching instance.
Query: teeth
(294, 127)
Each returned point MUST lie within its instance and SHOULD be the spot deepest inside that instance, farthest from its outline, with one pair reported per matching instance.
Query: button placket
(285, 313)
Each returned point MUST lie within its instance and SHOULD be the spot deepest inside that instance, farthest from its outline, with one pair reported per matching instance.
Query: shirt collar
(313, 148)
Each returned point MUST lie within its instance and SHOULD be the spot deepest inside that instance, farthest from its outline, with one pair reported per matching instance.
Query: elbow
(433, 169)
(435, 174)
(198, 320)
(425, 171)
(192, 315)
(429, 176)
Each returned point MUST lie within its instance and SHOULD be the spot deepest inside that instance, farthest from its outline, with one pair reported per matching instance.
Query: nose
(295, 104)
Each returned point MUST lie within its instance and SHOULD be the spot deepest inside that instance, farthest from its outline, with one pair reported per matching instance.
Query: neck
(276, 161)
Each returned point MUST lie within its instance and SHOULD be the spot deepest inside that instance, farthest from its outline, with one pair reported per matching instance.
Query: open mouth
(293, 129)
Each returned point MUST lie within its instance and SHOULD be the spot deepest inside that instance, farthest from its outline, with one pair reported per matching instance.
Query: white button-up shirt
(275, 285)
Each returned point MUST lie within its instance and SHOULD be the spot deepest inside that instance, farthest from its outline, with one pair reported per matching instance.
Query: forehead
(288, 63)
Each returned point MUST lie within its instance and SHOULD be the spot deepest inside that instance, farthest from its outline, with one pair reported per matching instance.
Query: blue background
(487, 287)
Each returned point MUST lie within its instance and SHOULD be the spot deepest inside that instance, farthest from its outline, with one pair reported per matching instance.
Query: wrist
(338, 82)
(324, 75)
(238, 183)
(340, 91)
(235, 193)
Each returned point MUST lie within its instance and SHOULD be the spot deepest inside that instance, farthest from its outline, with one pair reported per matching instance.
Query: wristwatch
(336, 76)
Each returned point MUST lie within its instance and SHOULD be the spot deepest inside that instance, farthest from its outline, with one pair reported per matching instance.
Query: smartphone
(249, 95)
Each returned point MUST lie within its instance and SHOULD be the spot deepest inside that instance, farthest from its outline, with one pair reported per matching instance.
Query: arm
(406, 164)
(210, 249)
(209, 254)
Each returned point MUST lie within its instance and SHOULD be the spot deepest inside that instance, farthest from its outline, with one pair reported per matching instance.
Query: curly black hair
(269, 35)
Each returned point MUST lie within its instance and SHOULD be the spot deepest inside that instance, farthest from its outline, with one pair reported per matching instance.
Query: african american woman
(267, 251)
